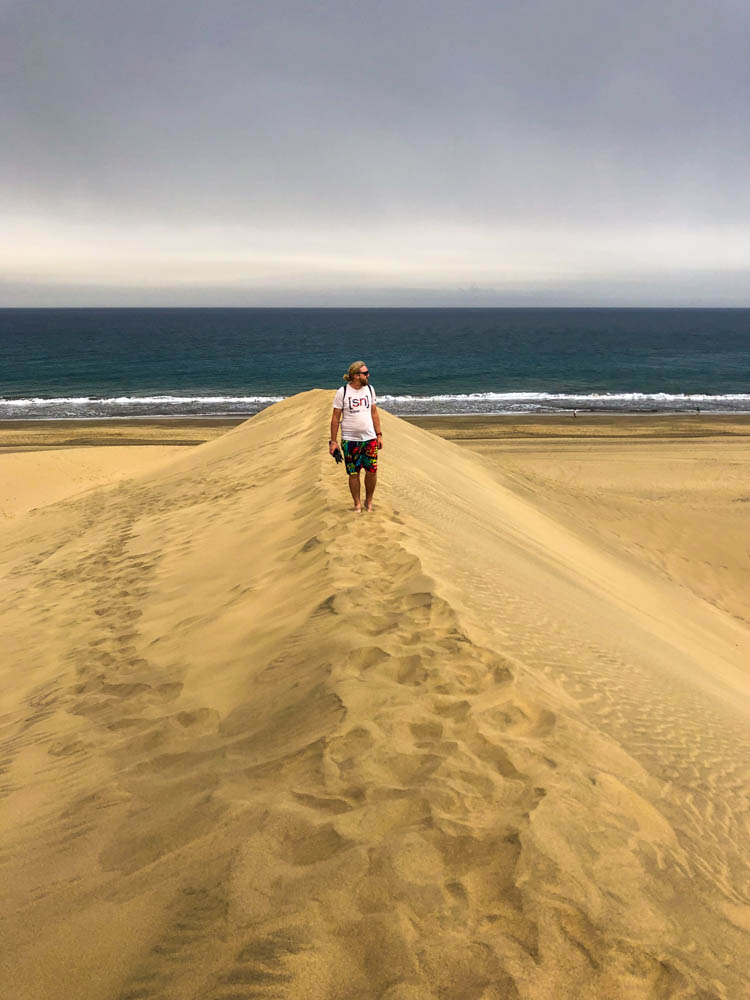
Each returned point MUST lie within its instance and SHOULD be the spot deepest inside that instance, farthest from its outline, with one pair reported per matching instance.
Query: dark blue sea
(144, 362)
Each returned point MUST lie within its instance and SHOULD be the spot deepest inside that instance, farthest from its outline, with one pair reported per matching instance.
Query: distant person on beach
(354, 408)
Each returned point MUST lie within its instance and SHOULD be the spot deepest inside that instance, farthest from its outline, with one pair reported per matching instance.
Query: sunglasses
(363, 373)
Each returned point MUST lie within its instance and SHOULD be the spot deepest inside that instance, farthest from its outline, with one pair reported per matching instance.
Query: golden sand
(489, 742)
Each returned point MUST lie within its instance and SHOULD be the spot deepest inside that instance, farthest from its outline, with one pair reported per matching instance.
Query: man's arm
(335, 421)
(376, 424)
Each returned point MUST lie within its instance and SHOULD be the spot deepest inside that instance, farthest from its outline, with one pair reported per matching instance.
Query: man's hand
(332, 446)
(380, 440)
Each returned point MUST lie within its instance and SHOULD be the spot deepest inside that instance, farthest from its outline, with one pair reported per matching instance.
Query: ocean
(67, 363)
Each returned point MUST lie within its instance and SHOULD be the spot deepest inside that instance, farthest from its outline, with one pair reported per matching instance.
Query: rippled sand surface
(487, 742)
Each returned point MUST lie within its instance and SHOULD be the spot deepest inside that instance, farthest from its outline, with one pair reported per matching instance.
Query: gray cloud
(292, 117)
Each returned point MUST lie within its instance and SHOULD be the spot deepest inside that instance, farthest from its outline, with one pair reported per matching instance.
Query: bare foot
(369, 507)
(358, 508)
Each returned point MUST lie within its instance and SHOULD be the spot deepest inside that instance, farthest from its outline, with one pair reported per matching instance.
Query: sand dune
(669, 491)
(255, 745)
(39, 478)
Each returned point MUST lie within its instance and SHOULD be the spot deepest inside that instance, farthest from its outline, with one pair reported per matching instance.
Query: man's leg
(371, 479)
(370, 464)
(355, 489)
(353, 464)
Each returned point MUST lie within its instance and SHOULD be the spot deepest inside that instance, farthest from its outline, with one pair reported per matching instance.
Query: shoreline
(41, 435)
(44, 434)
(589, 425)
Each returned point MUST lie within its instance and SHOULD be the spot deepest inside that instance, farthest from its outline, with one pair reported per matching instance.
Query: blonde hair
(353, 369)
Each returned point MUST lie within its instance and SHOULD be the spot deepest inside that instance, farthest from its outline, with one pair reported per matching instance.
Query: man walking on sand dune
(361, 438)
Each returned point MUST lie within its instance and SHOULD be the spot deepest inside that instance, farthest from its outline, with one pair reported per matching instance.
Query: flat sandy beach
(489, 742)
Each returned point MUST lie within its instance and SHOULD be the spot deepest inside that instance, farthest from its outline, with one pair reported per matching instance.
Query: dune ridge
(258, 746)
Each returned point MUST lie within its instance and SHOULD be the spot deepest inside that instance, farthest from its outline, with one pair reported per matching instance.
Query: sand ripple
(255, 746)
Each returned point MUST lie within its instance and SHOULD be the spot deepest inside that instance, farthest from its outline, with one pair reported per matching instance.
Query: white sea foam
(567, 397)
(71, 407)
(166, 404)
(42, 401)
(555, 402)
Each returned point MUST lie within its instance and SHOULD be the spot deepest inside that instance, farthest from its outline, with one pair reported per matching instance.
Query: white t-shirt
(356, 419)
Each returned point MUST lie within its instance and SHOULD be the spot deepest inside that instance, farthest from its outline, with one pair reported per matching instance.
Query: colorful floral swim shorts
(360, 455)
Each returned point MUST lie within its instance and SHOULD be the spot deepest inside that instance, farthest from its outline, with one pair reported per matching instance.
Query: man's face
(362, 376)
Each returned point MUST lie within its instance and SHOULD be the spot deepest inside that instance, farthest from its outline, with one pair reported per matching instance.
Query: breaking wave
(167, 405)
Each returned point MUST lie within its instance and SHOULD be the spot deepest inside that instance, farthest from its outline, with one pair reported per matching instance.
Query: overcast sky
(392, 152)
